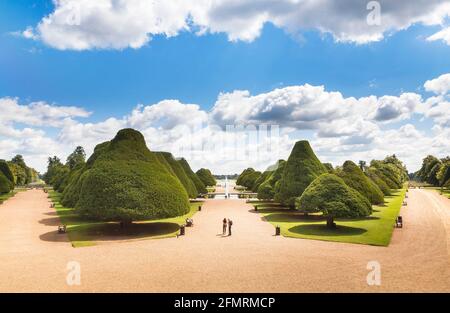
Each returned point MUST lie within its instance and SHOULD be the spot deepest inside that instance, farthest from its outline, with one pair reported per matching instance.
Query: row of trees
(16, 173)
(434, 171)
(123, 180)
(304, 183)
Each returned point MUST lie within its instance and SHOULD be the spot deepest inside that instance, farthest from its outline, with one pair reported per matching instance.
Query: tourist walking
(224, 228)
(230, 223)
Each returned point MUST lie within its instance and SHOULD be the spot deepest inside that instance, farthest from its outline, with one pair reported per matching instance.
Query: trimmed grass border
(373, 230)
(6, 196)
(83, 232)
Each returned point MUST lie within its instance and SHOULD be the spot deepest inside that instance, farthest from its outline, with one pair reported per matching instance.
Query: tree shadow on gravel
(113, 231)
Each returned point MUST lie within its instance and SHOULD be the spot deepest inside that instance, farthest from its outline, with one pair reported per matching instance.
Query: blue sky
(196, 69)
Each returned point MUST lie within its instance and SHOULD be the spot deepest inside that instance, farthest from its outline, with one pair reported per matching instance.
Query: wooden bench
(399, 222)
(62, 229)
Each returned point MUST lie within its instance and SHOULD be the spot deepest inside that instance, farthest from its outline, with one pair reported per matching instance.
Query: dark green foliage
(5, 184)
(206, 177)
(179, 172)
(72, 190)
(378, 181)
(268, 188)
(22, 173)
(59, 179)
(302, 167)
(76, 158)
(329, 168)
(248, 178)
(402, 172)
(243, 174)
(124, 181)
(4, 168)
(261, 179)
(443, 175)
(389, 173)
(199, 185)
(354, 177)
(330, 195)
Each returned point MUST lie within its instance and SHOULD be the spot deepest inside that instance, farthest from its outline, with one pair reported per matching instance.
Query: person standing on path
(224, 227)
(230, 222)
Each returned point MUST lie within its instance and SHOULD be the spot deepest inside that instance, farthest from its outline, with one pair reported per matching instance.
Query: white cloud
(440, 85)
(118, 24)
(37, 113)
(443, 35)
(339, 128)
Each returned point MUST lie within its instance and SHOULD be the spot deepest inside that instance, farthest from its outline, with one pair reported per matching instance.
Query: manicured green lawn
(373, 230)
(83, 232)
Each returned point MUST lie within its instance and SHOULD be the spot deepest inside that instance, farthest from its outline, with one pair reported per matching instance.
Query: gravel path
(34, 258)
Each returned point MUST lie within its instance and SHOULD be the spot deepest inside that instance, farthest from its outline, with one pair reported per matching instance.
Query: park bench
(189, 222)
(62, 229)
(399, 222)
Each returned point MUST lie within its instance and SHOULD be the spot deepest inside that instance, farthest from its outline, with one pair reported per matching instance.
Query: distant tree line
(434, 171)
(304, 183)
(16, 173)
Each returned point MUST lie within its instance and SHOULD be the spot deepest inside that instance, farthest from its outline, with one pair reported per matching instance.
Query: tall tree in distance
(77, 157)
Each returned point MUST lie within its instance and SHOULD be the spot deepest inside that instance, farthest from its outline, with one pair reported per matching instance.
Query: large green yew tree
(302, 167)
(124, 181)
(354, 177)
(206, 177)
(330, 195)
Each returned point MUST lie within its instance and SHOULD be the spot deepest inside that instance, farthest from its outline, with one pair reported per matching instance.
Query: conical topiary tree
(179, 172)
(199, 185)
(354, 177)
(244, 173)
(330, 195)
(5, 184)
(4, 168)
(302, 167)
(206, 177)
(267, 189)
(124, 181)
(378, 181)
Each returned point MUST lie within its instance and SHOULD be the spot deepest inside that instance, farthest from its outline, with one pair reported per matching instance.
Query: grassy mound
(354, 177)
(302, 167)
(124, 181)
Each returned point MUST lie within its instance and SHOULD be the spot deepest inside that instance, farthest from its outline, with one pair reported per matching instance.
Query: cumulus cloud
(242, 129)
(118, 24)
(37, 113)
(442, 35)
(440, 85)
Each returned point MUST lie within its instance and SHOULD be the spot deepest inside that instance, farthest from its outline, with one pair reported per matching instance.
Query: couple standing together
(226, 223)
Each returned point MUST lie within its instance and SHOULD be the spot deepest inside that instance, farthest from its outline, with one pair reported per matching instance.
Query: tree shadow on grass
(113, 231)
(292, 218)
(271, 210)
(323, 230)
